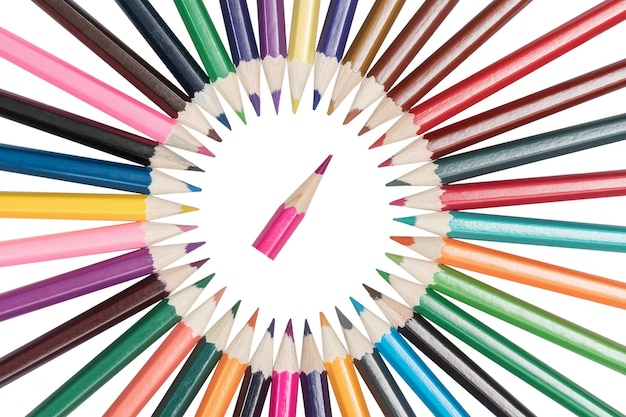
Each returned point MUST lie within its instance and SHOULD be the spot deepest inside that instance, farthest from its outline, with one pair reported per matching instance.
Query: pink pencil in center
(289, 215)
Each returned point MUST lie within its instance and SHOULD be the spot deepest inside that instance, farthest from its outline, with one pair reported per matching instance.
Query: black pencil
(90, 133)
(174, 55)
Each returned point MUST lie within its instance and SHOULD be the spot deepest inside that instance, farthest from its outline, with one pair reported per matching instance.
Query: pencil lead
(213, 135)
(224, 120)
(357, 306)
(410, 220)
(316, 99)
(399, 202)
(343, 320)
(276, 99)
(193, 188)
(351, 115)
(270, 328)
(331, 107)
(289, 330)
(379, 142)
(205, 151)
(386, 163)
(385, 275)
(202, 283)
(186, 228)
(235, 308)
(397, 259)
(218, 295)
(256, 103)
(363, 130)
(322, 168)
(186, 209)
(198, 264)
(376, 295)
(403, 240)
(396, 183)
(307, 329)
(193, 246)
(294, 105)
(242, 116)
(194, 168)
(324, 320)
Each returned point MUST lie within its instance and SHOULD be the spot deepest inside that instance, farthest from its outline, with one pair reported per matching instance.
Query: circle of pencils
(455, 345)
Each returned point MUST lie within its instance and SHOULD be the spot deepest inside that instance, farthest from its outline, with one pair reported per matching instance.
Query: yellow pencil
(301, 49)
(364, 48)
(341, 373)
(79, 206)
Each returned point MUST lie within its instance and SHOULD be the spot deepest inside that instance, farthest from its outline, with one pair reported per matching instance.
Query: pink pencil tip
(218, 295)
(204, 151)
(378, 143)
(322, 168)
(186, 228)
(399, 202)
(289, 329)
(386, 163)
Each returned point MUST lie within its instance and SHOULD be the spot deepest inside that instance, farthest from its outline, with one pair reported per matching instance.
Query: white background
(344, 235)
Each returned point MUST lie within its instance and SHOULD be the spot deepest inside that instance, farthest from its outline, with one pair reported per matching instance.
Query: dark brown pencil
(423, 335)
(93, 321)
(128, 63)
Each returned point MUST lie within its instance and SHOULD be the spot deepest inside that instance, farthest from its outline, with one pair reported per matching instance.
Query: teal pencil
(524, 230)
(120, 353)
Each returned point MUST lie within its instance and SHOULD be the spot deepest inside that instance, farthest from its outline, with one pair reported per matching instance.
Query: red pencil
(505, 71)
(518, 191)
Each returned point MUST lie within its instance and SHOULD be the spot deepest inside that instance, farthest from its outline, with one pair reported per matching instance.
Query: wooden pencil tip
(351, 115)
(270, 328)
(331, 107)
(186, 209)
(378, 143)
(235, 308)
(343, 320)
(198, 264)
(276, 99)
(218, 295)
(324, 320)
(289, 330)
(395, 258)
(364, 130)
(386, 163)
(403, 240)
(190, 247)
(205, 151)
(214, 135)
(295, 103)
(224, 120)
(256, 103)
(307, 328)
(322, 168)
(242, 116)
(410, 220)
(376, 295)
(185, 228)
(385, 275)
(316, 99)
(357, 306)
(399, 202)
(202, 283)
(252, 321)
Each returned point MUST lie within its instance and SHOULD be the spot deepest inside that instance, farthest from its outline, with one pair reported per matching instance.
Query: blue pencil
(64, 167)
(331, 45)
(243, 48)
(396, 350)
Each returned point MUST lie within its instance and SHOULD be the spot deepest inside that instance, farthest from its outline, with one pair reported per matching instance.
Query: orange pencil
(164, 360)
(228, 373)
(527, 271)
(341, 372)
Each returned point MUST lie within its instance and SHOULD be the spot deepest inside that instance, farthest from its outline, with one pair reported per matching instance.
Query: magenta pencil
(285, 378)
(90, 278)
(96, 93)
(289, 215)
(273, 45)
(114, 238)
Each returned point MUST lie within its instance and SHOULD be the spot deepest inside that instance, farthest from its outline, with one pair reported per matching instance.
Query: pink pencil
(289, 215)
(285, 378)
(96, 93)
(86, 242)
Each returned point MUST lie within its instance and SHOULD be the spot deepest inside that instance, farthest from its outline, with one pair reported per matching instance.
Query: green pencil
(120, 353)
(213, 53)
(507, 354)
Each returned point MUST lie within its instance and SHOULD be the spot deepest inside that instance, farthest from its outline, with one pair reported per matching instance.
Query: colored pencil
(96, 93)
(515, 268)
(87, 279)
(90, 133)
(395, 349)
(85, 206)
(460, 46)
(399, 54)
(228, 372)
(511, 356)
(257, 378)
(288, 216)
(119, 353)
(285, 377)
(341, 373)
(374, 371)
(301, 47)
(423, 335)
(83, 242)
(331, 45)
(167, 356)
(518, 191)
(513, 310)
(82, 170)
(313, 378)
(453, 137)
(93, 321)
(212, 51)
(492, 78)
(197, 367)
(128, 63)
(273, 45)
(174, 55)
(364, 48)
(524, 230)
(243, 48)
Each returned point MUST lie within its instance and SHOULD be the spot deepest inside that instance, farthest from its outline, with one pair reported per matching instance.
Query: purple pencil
(243, 48)
(91, 278)
(273, 45)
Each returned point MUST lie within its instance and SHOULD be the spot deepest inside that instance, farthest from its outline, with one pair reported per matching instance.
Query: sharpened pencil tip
(396, 183)
(357, 306)
(410, 220)
(289, 330)
(256, 103)
(276, 99)
(218, 295)
(202, 283)
(213, 135)
(190, 247)
(399, 202)
(322, 168)
(242, 116)
(383, 274)
(364, 130)
(194, 168)
(331, 107)
(307, 329)
(403, 240)
(376, 295)
(386, 163)
(378, 143)
(343, 320)
(186, 209)
(235, 308)
(295, 103)
(252, 321)
(205, 151)
(317, 97)
(270, 328)
(186, 227)
(351, 115)
(324, 320)
(193, 188)
(224, 120)
(198, 264)
(395, 258)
